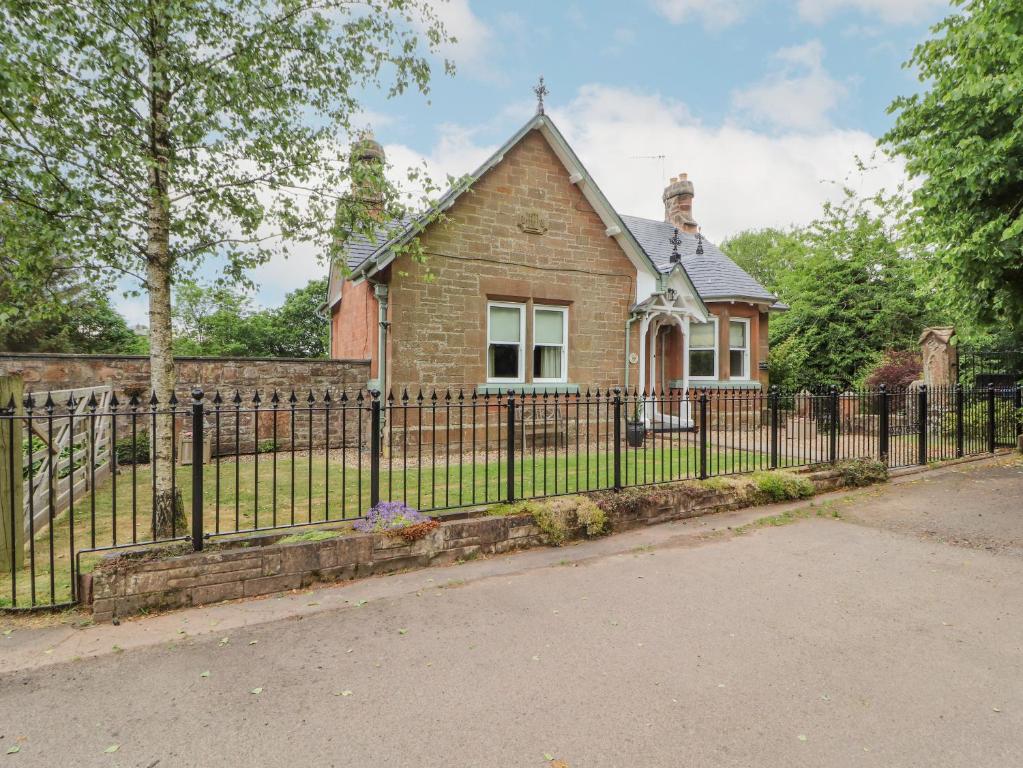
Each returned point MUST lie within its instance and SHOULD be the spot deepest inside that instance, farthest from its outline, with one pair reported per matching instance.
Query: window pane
(503, 361)
(737, 335)
(548, 327)
(701, 362)
(546, 362)
(505, 324)
(737, 363)
(701, 335)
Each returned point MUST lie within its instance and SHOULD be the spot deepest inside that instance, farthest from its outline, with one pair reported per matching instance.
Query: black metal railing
(984, 366)
(83, 478)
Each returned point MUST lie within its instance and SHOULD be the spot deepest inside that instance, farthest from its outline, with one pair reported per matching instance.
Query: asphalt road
(890, 637)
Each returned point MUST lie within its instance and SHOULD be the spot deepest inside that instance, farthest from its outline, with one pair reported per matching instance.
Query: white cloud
(743, 178)
(888, 11)
(713, 14)
(473, 36)
(799, 94)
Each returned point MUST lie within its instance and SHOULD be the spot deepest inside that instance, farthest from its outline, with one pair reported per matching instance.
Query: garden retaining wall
(126, 584)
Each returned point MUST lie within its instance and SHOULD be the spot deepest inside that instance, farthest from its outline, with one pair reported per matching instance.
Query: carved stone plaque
(533, 222)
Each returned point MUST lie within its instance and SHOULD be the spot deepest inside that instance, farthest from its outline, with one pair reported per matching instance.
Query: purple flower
(389, 516)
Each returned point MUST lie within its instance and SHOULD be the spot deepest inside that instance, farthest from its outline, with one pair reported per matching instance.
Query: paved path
(861, 641)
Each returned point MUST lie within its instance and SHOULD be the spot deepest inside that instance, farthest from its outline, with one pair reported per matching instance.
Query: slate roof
(713, 273)
(359, 248)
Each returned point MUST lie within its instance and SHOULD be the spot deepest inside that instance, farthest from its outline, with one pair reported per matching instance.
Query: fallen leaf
(112, 748)
(204, 674)
(802, 737)
(548, 756)
(313, 603)
(402, 631)
(48, 651)
(7, 632)
(14, 749)
(559, 764)
(256, 691)
(536, 658)
(253, 642)
(360, 603)
(343, 693)
(224, 641)
(995, 709)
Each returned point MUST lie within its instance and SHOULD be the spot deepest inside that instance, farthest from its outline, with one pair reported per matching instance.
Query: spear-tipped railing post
(883, 430)
(921, 413)
(198, 461)
(991, 418)
(775, 428)
(511, 446)
(374, 449)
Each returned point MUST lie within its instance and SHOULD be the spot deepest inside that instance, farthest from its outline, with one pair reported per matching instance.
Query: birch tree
(155, 134)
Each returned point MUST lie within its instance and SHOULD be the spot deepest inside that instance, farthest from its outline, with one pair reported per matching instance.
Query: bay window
(703, 350)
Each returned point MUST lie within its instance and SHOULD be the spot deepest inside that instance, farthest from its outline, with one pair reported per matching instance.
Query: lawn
(276, 490)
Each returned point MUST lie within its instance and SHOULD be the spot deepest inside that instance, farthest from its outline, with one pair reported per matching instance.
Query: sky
(766, 104)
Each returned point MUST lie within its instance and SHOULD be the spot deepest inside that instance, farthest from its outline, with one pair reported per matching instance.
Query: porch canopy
(673, 307)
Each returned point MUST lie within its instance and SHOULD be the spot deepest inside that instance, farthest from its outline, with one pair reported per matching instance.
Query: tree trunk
(168, 509)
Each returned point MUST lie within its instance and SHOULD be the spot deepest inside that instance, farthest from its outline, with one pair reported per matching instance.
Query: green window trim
(705, 384)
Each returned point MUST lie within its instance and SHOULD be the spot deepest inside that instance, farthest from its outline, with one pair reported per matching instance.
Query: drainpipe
(380, 292)
(323, 313)
(628, 340)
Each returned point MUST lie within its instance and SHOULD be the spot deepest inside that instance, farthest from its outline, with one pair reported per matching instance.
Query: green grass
(323, 491)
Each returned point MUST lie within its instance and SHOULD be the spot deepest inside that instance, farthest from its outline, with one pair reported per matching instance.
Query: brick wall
(438, 325)
(130, 373)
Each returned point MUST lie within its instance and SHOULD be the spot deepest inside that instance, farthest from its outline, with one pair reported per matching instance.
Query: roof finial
(675, 241)
(540, 90)
(699, 243)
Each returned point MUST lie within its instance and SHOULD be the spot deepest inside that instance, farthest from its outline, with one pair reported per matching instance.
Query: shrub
(782, 486)
(859, 472)
(266, 446)
(390, 516)
(133, 453)
(897, 369)
(557, 517)
(591, 516)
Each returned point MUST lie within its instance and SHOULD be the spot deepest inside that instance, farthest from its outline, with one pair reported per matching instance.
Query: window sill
(528, 389)
(715, 384)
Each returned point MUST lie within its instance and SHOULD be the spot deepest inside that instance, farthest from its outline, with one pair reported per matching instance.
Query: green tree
(853, 295)
(220, 321)
(83, 321)
(766, 254)
(297, 329)
(962, 138)
(152, 134)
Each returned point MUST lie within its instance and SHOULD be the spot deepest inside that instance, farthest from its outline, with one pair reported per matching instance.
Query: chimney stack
(678, 203)
(367, 172)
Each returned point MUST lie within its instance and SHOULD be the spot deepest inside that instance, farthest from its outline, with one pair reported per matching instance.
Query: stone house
(537, 284)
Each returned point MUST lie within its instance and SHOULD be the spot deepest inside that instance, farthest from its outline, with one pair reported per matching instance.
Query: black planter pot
(635, 434)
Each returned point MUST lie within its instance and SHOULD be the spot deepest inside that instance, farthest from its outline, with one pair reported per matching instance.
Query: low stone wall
(126, 584)
(129, 374)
